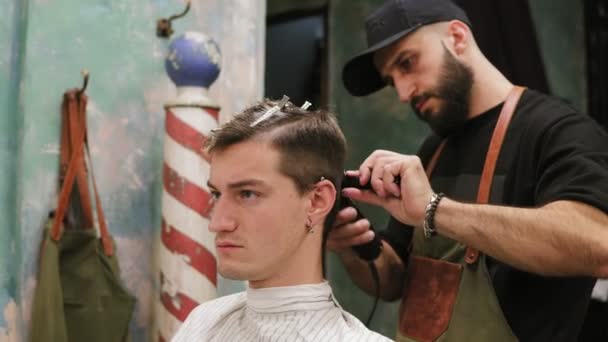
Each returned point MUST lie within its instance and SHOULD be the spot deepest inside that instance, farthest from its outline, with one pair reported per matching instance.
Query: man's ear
(459, 36)
(322, 199)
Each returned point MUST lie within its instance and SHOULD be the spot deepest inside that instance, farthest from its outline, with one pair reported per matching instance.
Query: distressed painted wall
(380, 122)
(11, 66)
(45, 43)
(48, 43)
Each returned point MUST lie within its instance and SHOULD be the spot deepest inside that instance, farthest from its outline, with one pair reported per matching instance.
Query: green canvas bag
(79, 296)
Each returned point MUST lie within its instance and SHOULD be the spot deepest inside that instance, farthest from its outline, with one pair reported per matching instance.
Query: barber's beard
(453, 91)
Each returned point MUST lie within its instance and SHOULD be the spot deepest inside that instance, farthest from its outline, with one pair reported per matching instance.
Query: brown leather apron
(449, 294)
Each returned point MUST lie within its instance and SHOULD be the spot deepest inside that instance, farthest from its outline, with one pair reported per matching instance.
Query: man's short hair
(310, 143)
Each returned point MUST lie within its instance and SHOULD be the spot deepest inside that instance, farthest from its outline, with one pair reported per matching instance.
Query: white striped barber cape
(291, 313)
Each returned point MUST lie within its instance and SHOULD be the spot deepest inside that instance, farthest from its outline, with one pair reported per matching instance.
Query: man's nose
(222, 218)
(405, 89)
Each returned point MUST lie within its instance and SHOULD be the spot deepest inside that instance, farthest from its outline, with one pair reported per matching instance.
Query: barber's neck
(490, 87)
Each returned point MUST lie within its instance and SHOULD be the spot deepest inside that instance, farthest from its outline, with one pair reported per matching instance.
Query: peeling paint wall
(45, 43)
(48, 43)
(12, 45)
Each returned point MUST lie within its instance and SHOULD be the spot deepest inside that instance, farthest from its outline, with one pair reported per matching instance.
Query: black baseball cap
(394, 20)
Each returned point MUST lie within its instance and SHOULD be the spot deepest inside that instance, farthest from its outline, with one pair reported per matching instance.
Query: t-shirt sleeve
(573, 162)
(399, 237)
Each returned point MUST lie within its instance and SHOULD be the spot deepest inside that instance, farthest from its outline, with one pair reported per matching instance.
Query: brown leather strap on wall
(487, 174)
(75, 143)
(64, 152)
(104, 233)
(66, 189)
(74, 131)
(79, 118)
(73, 116)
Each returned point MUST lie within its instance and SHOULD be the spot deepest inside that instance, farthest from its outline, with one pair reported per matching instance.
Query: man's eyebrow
(239, 184)
(392, 63)
(246, 182)
(399, 57)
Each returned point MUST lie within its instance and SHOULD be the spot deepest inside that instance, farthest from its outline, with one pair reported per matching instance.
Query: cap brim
(360, 75)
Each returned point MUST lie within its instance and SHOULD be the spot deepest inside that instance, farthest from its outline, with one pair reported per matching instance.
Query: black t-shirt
(550, 153)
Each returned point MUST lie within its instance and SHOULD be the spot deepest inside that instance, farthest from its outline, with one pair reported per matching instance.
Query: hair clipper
(371, 250)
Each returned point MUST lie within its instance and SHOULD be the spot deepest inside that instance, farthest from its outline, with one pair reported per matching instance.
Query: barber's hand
(348, 232)
(405, 202)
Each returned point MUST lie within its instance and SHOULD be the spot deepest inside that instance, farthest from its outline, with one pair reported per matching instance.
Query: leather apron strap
(75, 169)
(485, 184)
(72, 124)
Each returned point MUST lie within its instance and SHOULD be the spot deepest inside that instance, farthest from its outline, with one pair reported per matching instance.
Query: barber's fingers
(391, 171)
(353, 173)
(379, 173)
(341, 244)
(370, 162)
(348, 231)
(391, 203)
(346, 224)
(406, 202)
(386, 170)
(415, 189)
(350, 235)
(344, 216)
(366, 196)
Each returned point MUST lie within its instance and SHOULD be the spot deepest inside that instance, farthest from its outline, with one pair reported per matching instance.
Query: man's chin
(232, 273)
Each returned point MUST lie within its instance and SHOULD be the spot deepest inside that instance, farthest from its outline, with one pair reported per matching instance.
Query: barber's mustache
(416, 100)
(425, 95)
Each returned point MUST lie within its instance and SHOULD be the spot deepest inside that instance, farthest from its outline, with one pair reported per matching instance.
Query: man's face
(258, 214)
(427, 75)
(453, 91)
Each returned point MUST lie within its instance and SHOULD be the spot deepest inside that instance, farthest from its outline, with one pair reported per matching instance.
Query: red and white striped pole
(187, 261)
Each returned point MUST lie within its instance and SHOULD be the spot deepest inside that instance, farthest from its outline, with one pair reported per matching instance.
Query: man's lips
(420, 103)
(227, 244)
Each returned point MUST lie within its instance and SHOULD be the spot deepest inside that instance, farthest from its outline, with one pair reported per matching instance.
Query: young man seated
(275, 173)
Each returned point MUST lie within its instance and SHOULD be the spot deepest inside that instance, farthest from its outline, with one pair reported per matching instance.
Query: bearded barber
(499, 225)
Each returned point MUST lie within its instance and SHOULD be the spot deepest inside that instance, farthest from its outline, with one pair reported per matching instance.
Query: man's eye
(248, 194)
(215, 195)
(406, 63)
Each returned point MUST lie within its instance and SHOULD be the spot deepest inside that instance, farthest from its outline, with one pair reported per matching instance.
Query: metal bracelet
(429, 215)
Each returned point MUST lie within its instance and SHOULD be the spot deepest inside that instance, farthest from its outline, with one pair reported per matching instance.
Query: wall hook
(163, 26)
(85, 81)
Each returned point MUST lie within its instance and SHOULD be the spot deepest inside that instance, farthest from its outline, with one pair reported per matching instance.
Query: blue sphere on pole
(193, 60)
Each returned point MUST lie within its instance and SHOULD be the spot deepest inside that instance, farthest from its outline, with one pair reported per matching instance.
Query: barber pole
(187, 273)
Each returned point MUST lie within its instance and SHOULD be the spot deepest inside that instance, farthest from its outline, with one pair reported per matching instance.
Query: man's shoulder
(540, 109)
(216, 309)
(220, 303)
(360, 332)
(208, 316)
(538, 113)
